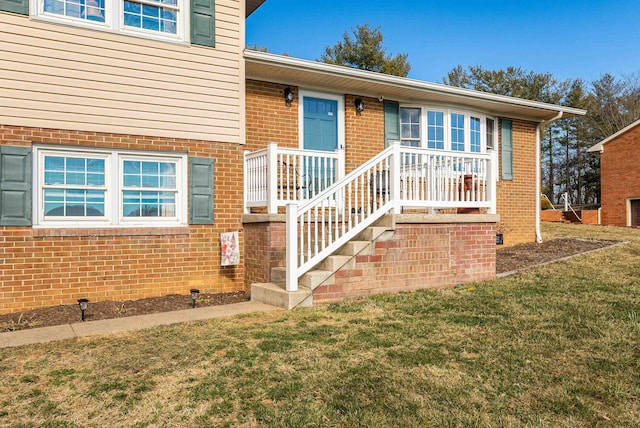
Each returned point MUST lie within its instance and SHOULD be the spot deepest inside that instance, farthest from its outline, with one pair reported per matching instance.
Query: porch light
(83, 303)
(194, 296)
(359, 105)
(288, 95)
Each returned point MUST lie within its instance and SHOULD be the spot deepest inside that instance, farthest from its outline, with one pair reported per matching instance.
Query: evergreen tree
(365, 51)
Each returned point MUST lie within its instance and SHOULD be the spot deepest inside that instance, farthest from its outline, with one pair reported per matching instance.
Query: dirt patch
(523, 256)
(508, 259)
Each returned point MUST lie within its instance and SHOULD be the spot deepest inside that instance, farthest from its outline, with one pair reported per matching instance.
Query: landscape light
(83, 303)
(194, 296)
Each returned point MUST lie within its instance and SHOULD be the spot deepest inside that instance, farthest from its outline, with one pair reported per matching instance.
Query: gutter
(319, 68)
(538, 174)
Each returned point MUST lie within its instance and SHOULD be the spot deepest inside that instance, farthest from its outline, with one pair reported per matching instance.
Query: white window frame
(114, 160)
(446, 112)
(445, 130)
(114, 20)
(421, 123)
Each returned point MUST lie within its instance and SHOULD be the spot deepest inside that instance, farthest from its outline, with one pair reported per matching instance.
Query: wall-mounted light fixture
(288, 95)
(359, 105)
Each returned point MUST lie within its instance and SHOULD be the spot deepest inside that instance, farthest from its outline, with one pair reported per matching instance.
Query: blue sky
(570, 38)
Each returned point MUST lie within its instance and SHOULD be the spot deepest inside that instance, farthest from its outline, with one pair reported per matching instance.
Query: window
(410, 127)
(152, 18)
(457, 132)
(74, 186)
(102, 188)
(474, 139)
(490, 133)
(435, 130)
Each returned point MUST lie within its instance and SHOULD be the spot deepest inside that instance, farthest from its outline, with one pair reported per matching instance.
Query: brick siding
(47, 267)
(619, 176)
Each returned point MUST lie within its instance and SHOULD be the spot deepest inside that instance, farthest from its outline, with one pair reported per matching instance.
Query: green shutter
(15, 186)
(203, 19)
(391, 123)
(507, 150)
(15, 6)
(201, 191)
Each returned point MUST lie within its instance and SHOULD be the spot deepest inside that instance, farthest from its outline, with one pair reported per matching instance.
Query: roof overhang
(313, 75)
(252, 5)
(599, 147)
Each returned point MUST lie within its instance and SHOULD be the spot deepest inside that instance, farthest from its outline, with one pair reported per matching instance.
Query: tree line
(611, 103)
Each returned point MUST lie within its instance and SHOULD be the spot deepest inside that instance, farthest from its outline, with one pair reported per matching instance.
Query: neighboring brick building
(620, 177)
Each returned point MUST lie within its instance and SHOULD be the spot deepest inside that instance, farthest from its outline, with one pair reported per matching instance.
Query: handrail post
(492, 178)
(394, 178)
(340, 173)
(292, 247)
(272, 178)
(245, 173)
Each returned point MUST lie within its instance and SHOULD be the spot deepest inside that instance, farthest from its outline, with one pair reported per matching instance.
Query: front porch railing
(276, 176)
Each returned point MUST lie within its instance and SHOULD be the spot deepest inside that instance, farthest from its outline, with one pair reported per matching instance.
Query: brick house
(129, 144)
(361, 114)
(620, 177)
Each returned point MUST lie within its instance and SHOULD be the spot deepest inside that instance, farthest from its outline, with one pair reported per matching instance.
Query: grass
(557, 346)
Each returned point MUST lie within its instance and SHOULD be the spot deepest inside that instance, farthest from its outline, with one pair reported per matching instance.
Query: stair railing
(397, 177)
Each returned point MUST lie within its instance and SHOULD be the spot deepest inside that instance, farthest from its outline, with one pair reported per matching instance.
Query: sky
(567, 38)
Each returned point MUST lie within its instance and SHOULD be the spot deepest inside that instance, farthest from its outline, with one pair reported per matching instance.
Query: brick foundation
(418, 256)
(413, 256)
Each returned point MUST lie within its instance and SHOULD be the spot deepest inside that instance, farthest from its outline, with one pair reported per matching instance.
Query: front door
(320, 132)
(320, 124)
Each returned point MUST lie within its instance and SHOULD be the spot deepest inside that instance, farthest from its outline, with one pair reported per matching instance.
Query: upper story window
(109, 188)
(446, 129)
(164, 19)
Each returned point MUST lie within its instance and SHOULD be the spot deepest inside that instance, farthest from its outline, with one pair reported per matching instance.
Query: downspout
(538, 174)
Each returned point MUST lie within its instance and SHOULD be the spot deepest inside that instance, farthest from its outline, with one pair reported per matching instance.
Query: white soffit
(319, 76)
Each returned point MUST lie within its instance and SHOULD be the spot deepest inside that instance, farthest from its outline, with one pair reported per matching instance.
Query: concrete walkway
(89, 328)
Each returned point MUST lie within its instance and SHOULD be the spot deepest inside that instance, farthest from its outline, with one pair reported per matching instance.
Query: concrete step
(314, 278)
(353, 248)
(371, 233)
(279, 276)
(272, 294)
(335, 262)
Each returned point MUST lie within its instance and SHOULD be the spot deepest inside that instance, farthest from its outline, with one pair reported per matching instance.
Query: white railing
(397, 177)
(277, 176)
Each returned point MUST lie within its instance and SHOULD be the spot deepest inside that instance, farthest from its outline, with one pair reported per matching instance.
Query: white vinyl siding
(66, 77)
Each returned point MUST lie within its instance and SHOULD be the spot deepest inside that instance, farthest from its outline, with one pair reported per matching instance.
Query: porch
(313, 219)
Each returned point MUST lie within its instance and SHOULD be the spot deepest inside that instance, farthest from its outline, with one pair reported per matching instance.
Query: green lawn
(558, 346)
